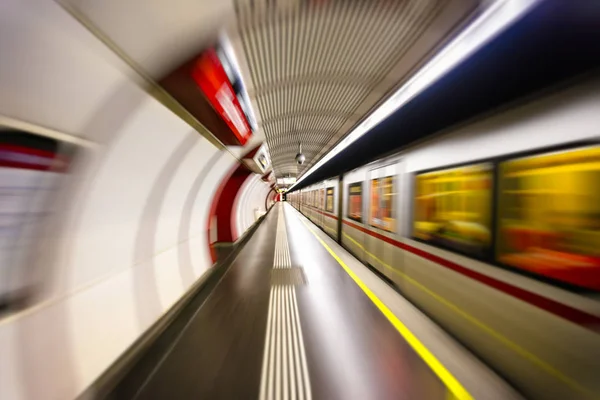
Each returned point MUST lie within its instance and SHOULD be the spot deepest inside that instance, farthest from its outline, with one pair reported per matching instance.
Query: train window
(321, 199)
(329, 200)
(355, 201)
(382, 203)
(453, 208)
(549, 215)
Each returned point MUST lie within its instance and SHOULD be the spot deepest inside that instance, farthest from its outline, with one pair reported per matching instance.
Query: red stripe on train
(322, 212)
(561, 310)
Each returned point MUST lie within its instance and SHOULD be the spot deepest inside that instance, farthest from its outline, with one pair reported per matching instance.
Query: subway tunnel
(160, 238)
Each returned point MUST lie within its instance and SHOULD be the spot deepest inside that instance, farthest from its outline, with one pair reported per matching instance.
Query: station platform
(295, 316)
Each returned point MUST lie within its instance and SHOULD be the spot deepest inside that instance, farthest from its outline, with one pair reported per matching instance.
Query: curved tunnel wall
(129, 234)
(250, 204)
(226, 231)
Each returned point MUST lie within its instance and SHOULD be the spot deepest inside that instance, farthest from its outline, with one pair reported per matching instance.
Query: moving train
(31, 169)
(493, 230)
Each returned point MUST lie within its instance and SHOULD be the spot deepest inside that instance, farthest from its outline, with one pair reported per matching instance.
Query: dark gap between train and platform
(128, 375)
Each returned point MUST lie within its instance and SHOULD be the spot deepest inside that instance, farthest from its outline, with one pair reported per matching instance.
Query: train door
(321, 216)
(313, 204)
(311, 209)
(353, 213)
(382, 219)
(330, 222)
(339, 206)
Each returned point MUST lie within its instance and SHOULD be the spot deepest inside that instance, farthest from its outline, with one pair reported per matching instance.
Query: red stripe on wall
(213, 211)
(560, 310)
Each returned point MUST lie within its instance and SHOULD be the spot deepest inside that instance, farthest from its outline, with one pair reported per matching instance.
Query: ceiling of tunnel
(314, 69)
(550, 49)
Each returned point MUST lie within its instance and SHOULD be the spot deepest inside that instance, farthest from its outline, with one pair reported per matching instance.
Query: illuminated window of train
(329, 202)
(453, 208)
(382, 203)
(322, 199)
(355, 201)
(549, 215)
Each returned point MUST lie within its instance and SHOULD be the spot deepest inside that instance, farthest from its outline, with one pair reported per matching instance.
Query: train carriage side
(316, 205)
(444, 219)
(309, 203)
(512, 190)
(323, 209)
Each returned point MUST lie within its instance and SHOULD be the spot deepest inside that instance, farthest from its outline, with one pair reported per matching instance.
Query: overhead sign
(210, 76)
(257, 160)
(286, 181)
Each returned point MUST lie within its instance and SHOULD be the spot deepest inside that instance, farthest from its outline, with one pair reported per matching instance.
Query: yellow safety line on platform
(453, 385)
(570, 382)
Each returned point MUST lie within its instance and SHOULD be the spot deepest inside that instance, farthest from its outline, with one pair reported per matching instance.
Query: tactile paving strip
(288, 277)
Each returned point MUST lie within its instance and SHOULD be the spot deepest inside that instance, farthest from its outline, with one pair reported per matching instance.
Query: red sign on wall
(209, 75)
